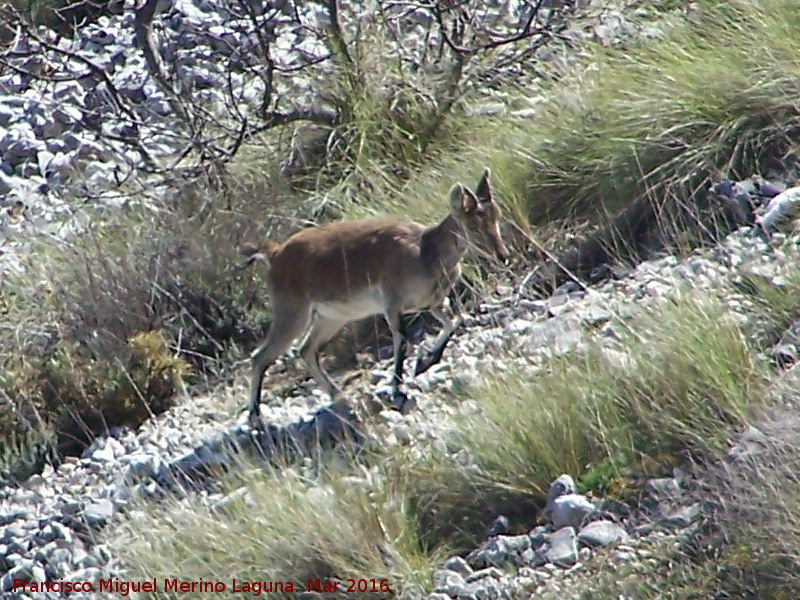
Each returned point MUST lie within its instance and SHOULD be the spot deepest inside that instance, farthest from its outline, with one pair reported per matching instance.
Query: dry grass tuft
(284, 527)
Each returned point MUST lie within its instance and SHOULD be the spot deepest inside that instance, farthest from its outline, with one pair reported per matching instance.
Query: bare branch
(338, 43)
(276, 64)
(266, 57)
(143, 23)
(274, 119)
(96, 71)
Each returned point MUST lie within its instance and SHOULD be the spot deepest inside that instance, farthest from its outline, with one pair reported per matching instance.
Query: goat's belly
(352, 309)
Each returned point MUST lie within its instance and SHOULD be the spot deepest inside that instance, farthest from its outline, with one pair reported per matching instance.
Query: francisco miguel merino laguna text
(255, 588)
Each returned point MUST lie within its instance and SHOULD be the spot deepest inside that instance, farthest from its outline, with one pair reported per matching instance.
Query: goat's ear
(457, 198)
(462, 200)
(484, 189)
(471, 202)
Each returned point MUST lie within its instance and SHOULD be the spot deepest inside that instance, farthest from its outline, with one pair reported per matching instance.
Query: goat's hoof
(397, 400)
(408, 405)
(254, 420)
(394, 400)
(426, 362)
(402, 403)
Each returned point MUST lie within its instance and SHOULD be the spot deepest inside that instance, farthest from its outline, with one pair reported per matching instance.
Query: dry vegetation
(609, 415)
(289, 528)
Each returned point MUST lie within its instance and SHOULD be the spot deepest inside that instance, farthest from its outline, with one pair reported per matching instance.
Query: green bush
(287, 527)
(65, 399)
(676, 386)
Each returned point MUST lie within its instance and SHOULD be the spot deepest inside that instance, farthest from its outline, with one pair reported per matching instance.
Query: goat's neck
(444, 245)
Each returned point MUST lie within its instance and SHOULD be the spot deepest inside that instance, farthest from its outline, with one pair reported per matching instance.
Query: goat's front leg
(449, 326)
(397, 324)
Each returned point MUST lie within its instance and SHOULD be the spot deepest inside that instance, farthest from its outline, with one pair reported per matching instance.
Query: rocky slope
(56, 525)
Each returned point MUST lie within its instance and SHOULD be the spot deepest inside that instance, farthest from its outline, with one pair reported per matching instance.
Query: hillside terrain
(615, 417)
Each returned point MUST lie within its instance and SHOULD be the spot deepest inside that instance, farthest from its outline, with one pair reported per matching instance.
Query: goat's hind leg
(322, 330)
(287, 325)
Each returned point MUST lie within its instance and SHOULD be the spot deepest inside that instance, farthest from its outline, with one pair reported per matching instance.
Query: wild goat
(331, 275)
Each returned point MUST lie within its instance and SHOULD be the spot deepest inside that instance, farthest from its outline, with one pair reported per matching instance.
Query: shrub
(287, 527)
(680, 380)
(64, 400)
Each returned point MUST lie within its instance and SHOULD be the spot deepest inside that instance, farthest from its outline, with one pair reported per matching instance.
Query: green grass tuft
(680, 380)
(715, 96)
(283, 527)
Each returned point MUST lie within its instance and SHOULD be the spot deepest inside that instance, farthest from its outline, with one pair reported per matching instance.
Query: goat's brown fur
(322, 278)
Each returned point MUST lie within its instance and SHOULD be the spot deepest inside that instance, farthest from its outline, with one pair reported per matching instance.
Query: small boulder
(569, 510)
(488, 589)
(499, 551)
(563, 550)
(601, 533)
(751, 444)
(498, 527)
(560, 487)
(682, 516)
(659, 491)
(448, 582)
(457, 565)
(783, 207)
(98, 513)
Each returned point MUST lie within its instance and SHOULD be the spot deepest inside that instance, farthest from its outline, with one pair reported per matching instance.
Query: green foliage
(87, 396)
(676, 385)
(25, 452)
(392, 125)
(282, 526)
(455, 501)
(171, 270)
(714, 96)
(70, 398)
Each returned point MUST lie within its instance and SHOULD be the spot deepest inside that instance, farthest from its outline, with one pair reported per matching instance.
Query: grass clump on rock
(284, 527)
(681, 379)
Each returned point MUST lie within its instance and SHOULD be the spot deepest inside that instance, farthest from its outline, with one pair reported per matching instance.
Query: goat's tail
(260, 251)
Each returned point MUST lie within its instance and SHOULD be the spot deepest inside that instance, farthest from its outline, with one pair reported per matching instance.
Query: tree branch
(338, 43)
(143, 23)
